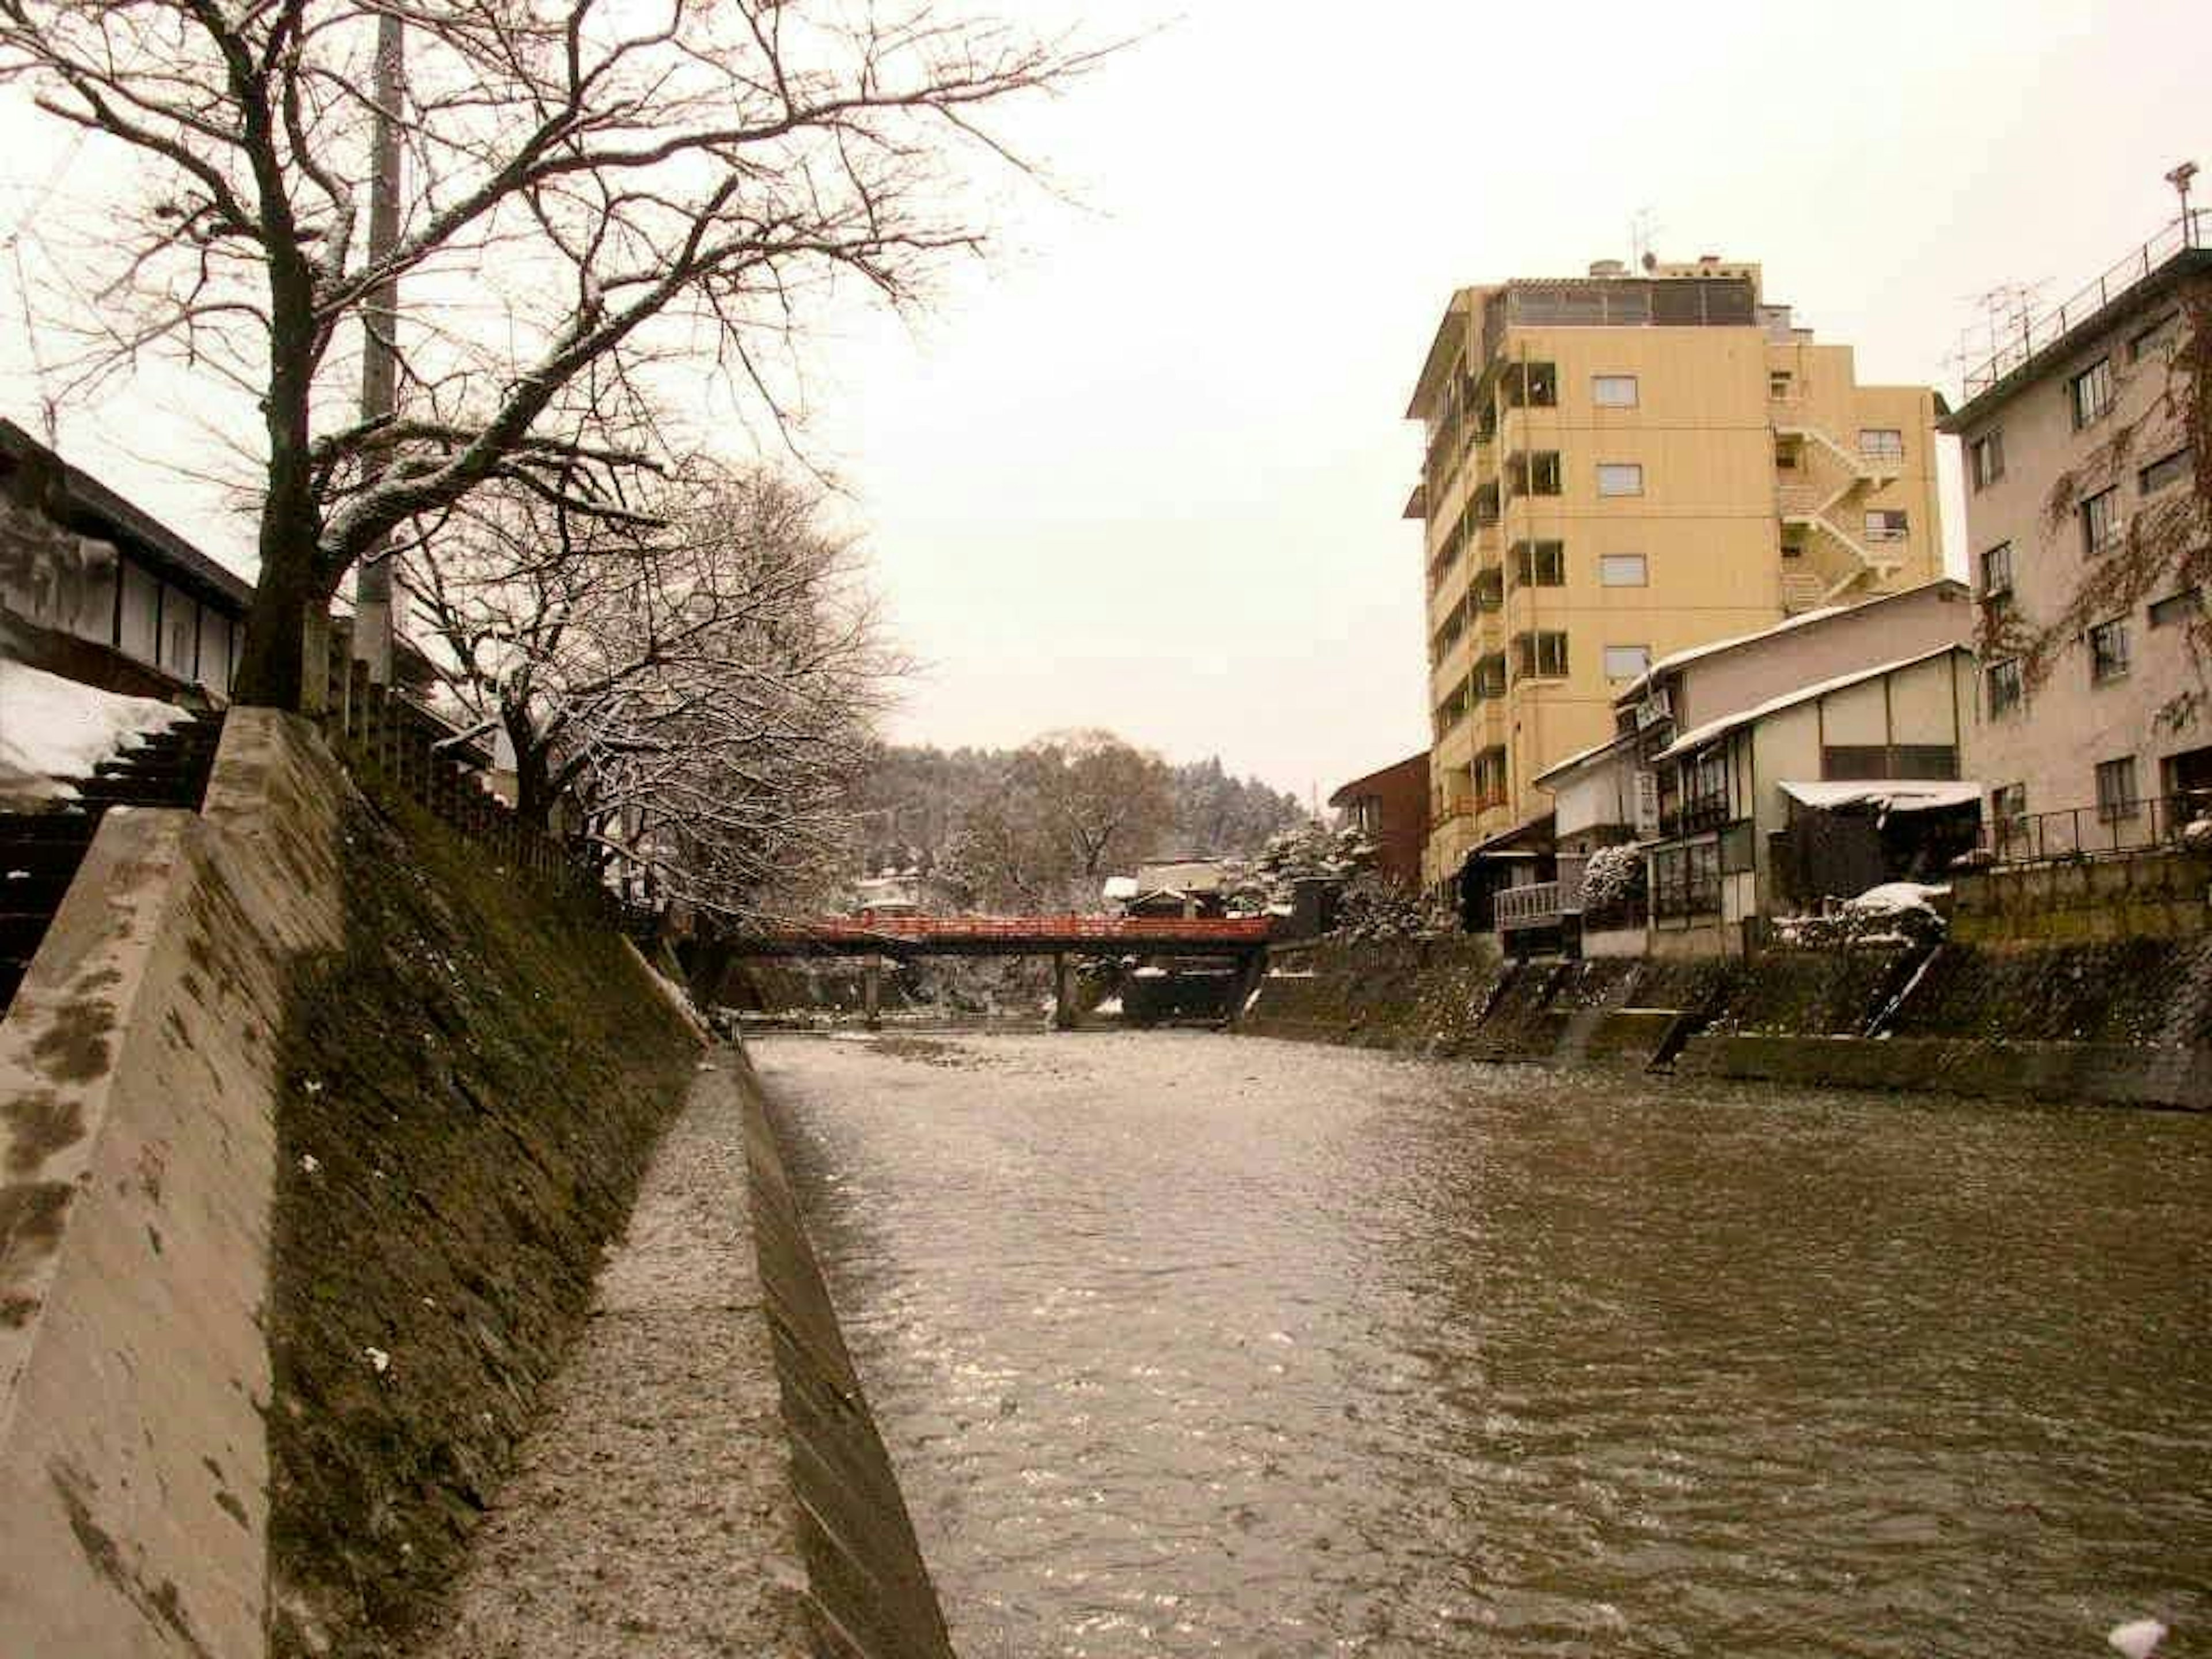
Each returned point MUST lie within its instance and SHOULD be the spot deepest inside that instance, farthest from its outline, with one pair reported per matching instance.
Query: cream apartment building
(1620, 466)
(2076, 460)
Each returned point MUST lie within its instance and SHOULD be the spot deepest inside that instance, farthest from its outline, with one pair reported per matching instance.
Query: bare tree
(593, 191)
(1069, 803)
(698, 674)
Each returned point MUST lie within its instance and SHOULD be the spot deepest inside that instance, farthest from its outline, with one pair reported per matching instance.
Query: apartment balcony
(1541, 904)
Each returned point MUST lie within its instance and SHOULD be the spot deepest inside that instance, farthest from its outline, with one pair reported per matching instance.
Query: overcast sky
(1143, 471)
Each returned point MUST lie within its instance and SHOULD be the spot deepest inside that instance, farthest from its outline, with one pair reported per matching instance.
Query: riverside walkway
(648, 1516)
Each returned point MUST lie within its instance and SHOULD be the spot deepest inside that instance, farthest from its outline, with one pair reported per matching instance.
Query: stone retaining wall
(2154, 894)
(869, 1592)
(2100, 1073)
(2128, 1022)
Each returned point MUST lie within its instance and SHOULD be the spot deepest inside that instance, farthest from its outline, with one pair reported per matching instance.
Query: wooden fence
(380, 731)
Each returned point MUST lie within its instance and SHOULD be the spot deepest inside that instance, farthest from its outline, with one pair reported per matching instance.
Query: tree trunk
(271, 665)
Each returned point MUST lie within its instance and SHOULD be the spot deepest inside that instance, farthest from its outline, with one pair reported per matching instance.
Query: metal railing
(2040, 332)
(962, 930)
(2115, 830)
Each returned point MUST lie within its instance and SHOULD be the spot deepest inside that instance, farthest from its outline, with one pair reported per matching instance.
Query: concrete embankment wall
(316, 1123)
(870, 1593)
(2123, 1021)
(139, 1074)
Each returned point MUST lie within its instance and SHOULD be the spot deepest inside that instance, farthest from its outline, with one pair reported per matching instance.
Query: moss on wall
(473, 1086)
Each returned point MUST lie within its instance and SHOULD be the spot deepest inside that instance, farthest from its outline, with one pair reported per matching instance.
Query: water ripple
(1186, 1345)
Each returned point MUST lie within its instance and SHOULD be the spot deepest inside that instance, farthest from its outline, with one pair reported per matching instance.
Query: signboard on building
(1658, 707)
(1647, 804)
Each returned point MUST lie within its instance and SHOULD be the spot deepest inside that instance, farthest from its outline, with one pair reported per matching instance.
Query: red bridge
(1002, 936)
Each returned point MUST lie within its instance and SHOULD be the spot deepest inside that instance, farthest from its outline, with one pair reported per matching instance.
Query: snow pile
(1894, 915)
(2138, 1638)
(53, 729)
(2196, 834)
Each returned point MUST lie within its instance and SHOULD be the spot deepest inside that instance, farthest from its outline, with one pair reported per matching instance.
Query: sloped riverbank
(2126, 1022)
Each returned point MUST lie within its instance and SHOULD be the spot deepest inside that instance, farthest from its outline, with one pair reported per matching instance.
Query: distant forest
(1043, 823)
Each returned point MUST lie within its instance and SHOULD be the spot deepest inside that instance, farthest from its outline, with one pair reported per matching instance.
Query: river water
(1187, 1344)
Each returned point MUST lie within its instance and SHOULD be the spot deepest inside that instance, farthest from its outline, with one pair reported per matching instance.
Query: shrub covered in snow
(1894, 915)
(1613, 884)
(1313, 850)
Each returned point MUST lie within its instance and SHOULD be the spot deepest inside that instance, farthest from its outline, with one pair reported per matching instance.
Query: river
(1189, 1344)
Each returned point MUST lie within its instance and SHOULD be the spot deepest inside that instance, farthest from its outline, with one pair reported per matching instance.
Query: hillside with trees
(1042, 825)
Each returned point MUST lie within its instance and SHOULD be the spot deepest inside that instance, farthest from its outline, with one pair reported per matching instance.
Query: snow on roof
(1572, 761)
(1120, 887)
(1698, 736)
(1889, 794)
(53, 729)
(1691, 653)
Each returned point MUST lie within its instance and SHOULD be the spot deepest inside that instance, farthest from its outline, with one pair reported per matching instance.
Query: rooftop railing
(2039, 332)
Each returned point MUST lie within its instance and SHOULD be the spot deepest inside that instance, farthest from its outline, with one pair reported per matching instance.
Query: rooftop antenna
(2179, 179)
(1643, 226)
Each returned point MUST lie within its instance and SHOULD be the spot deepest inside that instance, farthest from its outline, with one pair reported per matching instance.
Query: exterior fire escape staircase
(1812, 508)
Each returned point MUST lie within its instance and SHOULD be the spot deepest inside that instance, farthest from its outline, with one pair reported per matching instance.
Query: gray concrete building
(2084, 508)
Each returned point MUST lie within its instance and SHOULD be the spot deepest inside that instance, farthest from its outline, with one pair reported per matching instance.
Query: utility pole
(380, 356)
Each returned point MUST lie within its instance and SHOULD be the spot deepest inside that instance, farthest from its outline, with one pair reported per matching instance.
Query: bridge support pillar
(1063, 994)
(1251, 969)
(871, 993)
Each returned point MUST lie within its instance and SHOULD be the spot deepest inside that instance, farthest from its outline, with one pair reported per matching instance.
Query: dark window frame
(2003, 689)
(2109, 650)
(2106, 504)
(2118, 805)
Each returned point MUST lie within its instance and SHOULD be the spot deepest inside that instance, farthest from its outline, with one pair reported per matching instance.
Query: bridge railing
(1104, 930)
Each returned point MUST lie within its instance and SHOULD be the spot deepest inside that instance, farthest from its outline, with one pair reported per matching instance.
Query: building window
(1539, 564)
(1533, 472)
(2108, 652)
(2089, 394)
(2156, 339)
(1704, 877)
(2008, 813)
(1540, 656)
(1779, 386)
(1620, 478)
(1704, 786)
(1623, 570)
(2101, 522)
(1686, 881)
(1996, 574)
(1985, 459)
(1626, 662)
(1886, 524)
(2176, 608)
(1489, 680)
(1490, 778)
(1614, 390)
(1531, 386)
(2004, 687)
(1882, 443)
(2164, 472)
(2116, 790)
